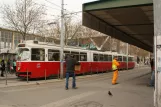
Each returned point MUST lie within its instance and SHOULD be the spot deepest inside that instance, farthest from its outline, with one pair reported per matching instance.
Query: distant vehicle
(40, 59)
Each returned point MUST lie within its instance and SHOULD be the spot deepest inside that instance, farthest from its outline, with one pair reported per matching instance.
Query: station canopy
(130, 21)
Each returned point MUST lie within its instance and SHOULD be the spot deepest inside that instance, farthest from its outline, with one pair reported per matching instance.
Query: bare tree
(71, 29)
(25, 17)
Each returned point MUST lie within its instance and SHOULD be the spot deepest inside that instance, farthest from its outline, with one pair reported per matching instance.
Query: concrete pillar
(157, 52)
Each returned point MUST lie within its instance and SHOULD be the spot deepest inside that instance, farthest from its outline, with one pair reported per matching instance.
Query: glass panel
(95, 57)
(83, 56)
(119, 58)
(38, 54)
(75, 55)
(101, 57)
(66, 53)
(124, 58)
(109, 57)
(23, 54)
(105, 57)
(53, 55)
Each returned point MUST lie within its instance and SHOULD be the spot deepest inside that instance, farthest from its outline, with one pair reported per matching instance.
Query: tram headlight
(18, 68)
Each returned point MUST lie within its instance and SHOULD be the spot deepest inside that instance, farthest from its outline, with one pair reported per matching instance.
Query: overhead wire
(48, 6)
(53, 3)
(75, 14)
(70, 13)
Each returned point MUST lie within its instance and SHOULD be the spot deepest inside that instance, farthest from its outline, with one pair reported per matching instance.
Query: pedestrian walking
(70, 70)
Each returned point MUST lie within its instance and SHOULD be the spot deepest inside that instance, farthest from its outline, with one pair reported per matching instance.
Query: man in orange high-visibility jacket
(115, 65)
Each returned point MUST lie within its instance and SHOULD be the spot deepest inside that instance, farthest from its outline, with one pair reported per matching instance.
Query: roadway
(92, 92)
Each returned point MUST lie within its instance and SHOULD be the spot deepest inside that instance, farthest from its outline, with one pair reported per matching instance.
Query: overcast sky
(70, 5)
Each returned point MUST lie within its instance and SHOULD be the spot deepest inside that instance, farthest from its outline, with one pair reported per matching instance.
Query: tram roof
(37, 44)
(128, 20)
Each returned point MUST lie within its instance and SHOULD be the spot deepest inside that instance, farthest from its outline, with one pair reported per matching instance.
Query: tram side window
(124, 58)
(95, 57)
(115, 56)
(101, 57)
(83, 56)
(132, 59)
(75, 55)
(119, 58)
(105, 57)
(23, 54)
(53, 55)
(129, 59)
(38, 54)
(109, 57)
(66, 53)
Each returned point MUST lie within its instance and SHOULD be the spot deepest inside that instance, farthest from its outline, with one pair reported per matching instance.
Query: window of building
(37, 54)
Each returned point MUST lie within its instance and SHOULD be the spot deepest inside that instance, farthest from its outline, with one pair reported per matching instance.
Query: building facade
(9, 39)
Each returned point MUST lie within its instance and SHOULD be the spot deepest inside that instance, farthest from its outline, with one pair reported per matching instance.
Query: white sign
(38, 65)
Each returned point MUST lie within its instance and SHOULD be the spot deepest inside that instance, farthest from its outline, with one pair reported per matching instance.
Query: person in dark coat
(152, 64)
(70, 68)
(8, 66)
(2, 68)
(152, 80)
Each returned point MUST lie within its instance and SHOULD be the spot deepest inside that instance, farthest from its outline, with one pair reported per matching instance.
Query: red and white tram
(41, 59)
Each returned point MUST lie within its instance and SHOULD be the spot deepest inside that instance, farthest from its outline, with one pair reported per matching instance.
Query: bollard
(58, 74)
(6, 76)
(97, 70)
(107, 70)
(83, 73)
(27, 76)
(102, 70)
(91, 70)
(45, 74)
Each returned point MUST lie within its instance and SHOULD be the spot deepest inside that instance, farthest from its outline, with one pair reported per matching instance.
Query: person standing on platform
(115, 65)
(152, 64)
(14, 65)
(2, 68)
(70, 70)
(152, 80)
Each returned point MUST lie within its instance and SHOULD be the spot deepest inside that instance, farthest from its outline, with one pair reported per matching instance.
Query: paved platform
(92, 92)
(12, 79)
